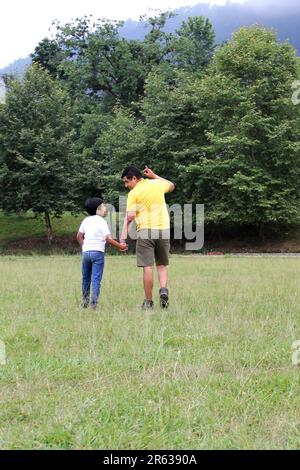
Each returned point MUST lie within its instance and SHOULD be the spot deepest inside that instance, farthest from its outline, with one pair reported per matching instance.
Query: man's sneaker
(164, 297)
(85, 304)
(147, 305)
(94, 306)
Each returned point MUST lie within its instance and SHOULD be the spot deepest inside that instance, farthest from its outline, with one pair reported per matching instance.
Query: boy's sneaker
(147, 305)
(85, 304)
(164, 297)
(94, 306)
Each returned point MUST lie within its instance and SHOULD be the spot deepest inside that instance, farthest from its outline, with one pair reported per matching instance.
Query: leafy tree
(48, 55)
(230, 139)
(162, 136)
(248, 169)
(36, 147)
(194, 44)
(93, 160)
(220, 123)
(96, 62)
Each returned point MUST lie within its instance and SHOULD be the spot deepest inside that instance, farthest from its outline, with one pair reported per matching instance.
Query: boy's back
(92, 235)
(95, 230)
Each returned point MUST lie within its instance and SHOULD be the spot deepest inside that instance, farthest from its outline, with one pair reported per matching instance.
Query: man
(146, 205)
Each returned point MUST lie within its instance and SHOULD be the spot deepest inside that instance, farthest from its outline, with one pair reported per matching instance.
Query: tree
(165, 135)
(193, 45)
(96, 62)
(36, 147)
(248, 169)
(229, 138)
(48, 55)
(93, 160)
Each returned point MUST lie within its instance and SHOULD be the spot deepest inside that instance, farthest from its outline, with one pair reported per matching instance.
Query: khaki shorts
(153, 245)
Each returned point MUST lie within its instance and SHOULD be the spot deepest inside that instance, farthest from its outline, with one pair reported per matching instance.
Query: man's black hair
(131, 171)
(91, 205)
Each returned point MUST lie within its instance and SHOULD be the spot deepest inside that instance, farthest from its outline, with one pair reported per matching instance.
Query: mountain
(283, 16)
(17, 67)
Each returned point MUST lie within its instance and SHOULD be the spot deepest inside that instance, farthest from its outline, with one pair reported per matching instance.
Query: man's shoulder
(156, 185)
(136, 190)
(147, 184)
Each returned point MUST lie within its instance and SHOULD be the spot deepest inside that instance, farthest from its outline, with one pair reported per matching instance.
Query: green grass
(26, 234)
(212, 372)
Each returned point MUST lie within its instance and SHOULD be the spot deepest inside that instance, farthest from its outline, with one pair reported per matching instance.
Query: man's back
(147, 199)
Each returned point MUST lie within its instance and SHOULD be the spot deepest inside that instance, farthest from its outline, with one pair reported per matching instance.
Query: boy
(92, 235)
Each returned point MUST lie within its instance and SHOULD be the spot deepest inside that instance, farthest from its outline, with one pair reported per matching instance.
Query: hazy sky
(23, 23)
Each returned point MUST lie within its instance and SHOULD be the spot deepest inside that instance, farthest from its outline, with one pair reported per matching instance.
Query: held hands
(123, 247)
(149, 173)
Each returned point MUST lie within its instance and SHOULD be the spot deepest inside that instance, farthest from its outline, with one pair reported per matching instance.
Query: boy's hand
(123, 247)
(149, 173)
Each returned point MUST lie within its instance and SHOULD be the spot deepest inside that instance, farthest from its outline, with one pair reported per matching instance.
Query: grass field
(212, 372)
(25, 234)
(19, 226)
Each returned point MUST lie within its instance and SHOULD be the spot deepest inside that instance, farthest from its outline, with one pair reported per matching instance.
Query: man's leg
(162, 272)
(145, 259)
(148, 282)
(162, 249)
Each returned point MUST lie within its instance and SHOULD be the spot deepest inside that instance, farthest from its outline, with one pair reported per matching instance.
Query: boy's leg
(97, 272)
(86, 278)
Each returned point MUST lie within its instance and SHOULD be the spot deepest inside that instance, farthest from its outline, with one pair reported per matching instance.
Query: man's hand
(149, 173)
(123, 247)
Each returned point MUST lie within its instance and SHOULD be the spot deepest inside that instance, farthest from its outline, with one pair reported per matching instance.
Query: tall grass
(212, 372)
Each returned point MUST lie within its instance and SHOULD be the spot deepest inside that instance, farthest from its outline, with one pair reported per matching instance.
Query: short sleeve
(163, 184)
(131, 203)
(81, 228)
(106, 230)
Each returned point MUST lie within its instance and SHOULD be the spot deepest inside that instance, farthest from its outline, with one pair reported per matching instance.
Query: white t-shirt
(95, 230)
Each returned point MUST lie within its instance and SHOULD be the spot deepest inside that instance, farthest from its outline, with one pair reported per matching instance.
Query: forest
(217, 119)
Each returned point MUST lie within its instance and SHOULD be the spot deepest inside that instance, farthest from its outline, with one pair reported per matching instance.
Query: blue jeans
(92, 271)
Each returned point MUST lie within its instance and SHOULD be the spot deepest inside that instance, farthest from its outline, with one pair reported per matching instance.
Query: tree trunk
(49, 227)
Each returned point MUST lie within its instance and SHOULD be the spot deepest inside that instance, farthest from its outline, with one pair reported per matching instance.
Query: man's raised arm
(151, 175)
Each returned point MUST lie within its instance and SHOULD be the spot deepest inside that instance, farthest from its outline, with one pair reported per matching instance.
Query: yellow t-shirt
(147, 200)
